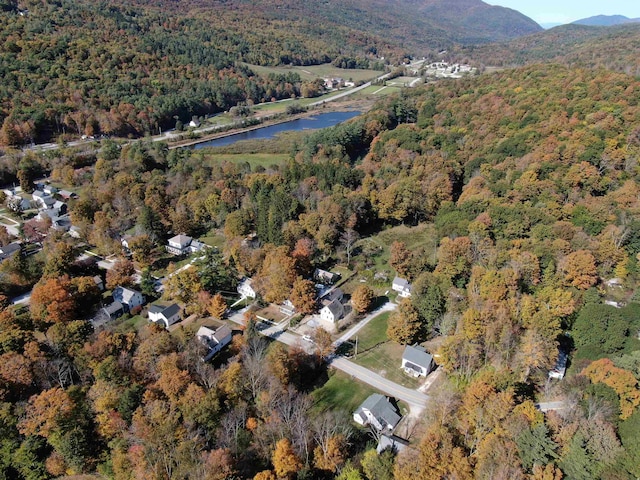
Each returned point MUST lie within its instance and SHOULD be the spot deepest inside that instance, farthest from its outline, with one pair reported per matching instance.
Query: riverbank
(362, 105)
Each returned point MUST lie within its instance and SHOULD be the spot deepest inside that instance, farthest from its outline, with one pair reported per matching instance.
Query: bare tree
(348, 239)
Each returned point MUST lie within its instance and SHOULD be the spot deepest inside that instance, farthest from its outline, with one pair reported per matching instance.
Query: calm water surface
(322, 120)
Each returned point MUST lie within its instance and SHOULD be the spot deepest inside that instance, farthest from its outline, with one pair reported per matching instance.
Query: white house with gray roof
(166, 315)
(129, 298)
(214, 340)
(332, 312)
(416, 361)
(402, 286)
(183, 244)
(378, 412)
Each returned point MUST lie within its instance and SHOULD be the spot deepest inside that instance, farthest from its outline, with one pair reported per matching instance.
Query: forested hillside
(613, 48)
(527, 180)
(104, 67)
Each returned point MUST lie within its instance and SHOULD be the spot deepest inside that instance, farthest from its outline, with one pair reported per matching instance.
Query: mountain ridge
(605, 20)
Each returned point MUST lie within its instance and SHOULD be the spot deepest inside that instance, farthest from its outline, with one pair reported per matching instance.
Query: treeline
(528, 182)
(612, 48)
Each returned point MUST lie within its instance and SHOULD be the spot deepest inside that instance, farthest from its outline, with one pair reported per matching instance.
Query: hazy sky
(566, 11)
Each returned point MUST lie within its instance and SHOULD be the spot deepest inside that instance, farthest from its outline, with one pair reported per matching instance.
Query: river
(322, 120)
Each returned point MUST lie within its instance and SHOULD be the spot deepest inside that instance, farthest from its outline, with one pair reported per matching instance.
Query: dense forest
(528, 181)
(99, 67)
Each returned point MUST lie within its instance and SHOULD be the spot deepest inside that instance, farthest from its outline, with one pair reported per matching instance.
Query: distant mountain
(606, 20)
(615, 48)
(128, 67)
(549, 25)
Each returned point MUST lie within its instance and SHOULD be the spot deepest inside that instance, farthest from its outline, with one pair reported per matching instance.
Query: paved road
(415, 399)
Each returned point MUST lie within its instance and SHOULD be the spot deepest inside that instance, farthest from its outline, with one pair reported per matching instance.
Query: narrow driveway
(387, 307)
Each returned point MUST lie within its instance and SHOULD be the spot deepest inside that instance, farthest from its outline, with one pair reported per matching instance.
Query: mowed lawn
(380, 355)
(378, 90)
(341, 392)
(318, 71)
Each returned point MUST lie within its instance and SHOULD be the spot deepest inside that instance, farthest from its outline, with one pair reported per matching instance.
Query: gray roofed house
(114, 310)
(402, 286)
(214, 340)
(167, 315)
(560, 368)
(379, 412)
(416, 361)
(128, 297)
(183, 244)
(332, 295)
(332, 312)
(97, 279)
(9, 250)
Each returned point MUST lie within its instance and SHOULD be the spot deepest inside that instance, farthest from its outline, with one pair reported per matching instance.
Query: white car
(307, 338)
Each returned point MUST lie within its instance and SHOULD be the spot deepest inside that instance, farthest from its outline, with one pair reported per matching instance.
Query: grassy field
(385, 360)
(341, 392)
(378, 91)
(254, 159)
(374, 250)
(400, 81)
(374, 333)
(133, 324)
(213, 238)
(318, 71)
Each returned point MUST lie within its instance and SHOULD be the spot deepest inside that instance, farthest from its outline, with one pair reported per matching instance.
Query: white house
(402, 286)
(129, 298)
(287, 307)
(560, 368)
(42, 200)
(214, 340)
(245, 289)
(378, 412)
(332, 312)
(167, 315)
(183, 244)
(417, 362)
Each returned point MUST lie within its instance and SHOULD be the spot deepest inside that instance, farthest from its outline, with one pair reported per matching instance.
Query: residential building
(166, 315)
(245, 289)
(325, 277)
(402, 286)
(377, 411)
(332, 312)
(129, 298)
(560, 368)
(183, 245)
(99, 283)
(9, 251)
(114, 310)
(287, 308)
(214, 340)
(416, 361)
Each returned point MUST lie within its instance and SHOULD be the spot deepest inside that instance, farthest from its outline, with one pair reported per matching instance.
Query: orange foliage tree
(621, 381)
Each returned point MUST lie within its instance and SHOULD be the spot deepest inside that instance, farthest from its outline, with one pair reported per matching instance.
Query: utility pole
(356, 354)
